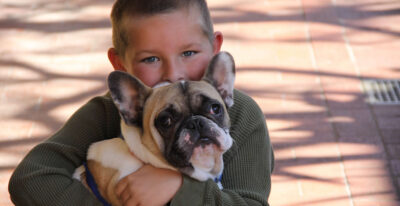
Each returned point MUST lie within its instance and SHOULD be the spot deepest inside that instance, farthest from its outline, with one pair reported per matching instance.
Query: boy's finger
(120, 187)
(126, 197)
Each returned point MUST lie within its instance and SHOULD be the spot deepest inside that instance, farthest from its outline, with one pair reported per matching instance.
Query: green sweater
(44, 177)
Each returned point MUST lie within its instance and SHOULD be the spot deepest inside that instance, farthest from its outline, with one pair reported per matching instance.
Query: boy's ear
(221, 74)
(115, 60)
(218, 39)
(129, 95)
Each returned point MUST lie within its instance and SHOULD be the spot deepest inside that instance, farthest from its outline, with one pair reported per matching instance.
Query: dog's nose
(195, 124)
(200, 130)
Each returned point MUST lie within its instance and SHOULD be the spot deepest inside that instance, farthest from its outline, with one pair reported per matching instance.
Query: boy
(157, 41)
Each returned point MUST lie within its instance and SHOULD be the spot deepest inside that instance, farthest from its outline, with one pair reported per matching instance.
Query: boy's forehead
(190, 13)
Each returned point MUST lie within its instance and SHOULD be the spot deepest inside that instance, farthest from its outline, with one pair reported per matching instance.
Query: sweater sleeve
(45, 175)
(248, 164)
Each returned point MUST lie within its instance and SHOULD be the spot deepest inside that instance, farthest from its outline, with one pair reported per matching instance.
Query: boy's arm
(248, 164)
(45, 175)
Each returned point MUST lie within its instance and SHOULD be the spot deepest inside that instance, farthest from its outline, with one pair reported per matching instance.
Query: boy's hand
(148, 186)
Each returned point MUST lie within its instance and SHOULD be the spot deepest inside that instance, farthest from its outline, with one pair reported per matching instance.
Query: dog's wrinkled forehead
(186, 95)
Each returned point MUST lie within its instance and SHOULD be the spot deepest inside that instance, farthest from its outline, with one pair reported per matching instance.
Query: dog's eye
(215, 109)
(165, 121)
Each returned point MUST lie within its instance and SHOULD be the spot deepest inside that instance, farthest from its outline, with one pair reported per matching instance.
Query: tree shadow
(348, 16)
(55, 27)
(45, 74)
(23, 20)
(320, 127)
(43, 114)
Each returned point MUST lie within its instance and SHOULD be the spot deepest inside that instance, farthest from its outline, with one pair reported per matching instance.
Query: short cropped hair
(132, 8)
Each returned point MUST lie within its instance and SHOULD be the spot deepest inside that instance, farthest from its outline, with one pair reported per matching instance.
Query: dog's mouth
(196, 139)
(204, 141)
(189, 140)
(182, 150)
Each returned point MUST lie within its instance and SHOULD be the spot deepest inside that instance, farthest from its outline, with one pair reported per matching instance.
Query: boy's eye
(150, 59)
(188, 53)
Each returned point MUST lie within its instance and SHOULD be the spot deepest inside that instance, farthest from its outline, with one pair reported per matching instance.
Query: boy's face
(166, 47)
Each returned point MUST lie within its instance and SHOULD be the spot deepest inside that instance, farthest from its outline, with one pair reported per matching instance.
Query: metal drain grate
(382, 91)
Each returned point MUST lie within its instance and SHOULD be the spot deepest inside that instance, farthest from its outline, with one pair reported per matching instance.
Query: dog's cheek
(179, 156)
(224, 138)
(228, 141)
(180, 150)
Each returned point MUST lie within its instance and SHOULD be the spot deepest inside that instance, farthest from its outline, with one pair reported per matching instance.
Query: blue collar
(218, 179)
(93, 186)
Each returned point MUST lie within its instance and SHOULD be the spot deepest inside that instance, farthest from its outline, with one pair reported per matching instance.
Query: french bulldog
(181, 126)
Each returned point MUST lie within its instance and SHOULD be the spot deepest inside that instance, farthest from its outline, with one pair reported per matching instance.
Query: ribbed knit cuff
(191, 193)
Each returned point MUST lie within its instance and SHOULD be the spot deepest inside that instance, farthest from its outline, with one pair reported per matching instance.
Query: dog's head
(187, 121)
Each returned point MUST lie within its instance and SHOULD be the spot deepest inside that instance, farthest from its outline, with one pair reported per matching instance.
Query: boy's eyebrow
(190, 45)
(145, 52)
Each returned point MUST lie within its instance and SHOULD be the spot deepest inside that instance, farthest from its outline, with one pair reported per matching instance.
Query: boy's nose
(174, 71)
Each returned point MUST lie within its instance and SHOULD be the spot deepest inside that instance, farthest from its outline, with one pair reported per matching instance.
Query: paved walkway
(303, 61)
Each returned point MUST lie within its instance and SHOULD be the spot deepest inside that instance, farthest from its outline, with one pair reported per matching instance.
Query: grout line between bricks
(323, 95)
(300, 188)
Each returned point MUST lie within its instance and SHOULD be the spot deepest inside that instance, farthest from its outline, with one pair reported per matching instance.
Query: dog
(181, 126)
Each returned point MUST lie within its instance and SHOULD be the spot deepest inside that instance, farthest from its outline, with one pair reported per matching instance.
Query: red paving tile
(391, 136)
(305, 61)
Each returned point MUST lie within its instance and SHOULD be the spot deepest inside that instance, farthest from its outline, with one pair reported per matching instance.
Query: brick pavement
(305, 61)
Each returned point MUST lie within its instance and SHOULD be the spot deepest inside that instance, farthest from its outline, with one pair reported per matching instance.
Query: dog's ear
(221, 74)
(129, 95)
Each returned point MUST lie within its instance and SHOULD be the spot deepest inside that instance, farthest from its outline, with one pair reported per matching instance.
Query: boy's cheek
(196, 74)
(147, 76)
(198, 67)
